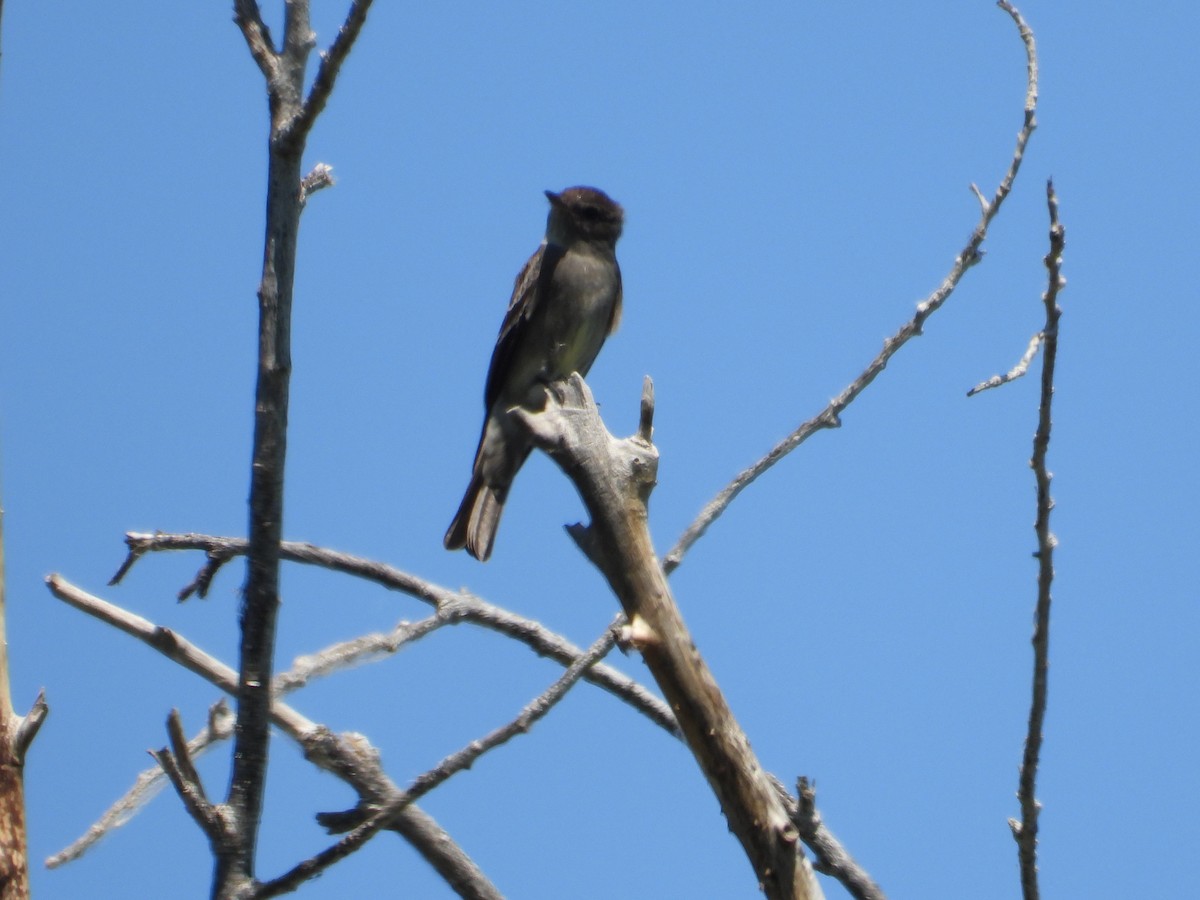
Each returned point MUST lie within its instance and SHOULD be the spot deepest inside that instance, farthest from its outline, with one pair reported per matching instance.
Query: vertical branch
(260, 601)
(16, 734)
(1025, 832)
(14, 858)
(291, 120)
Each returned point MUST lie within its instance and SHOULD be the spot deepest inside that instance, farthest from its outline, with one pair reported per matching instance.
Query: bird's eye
(591, 212)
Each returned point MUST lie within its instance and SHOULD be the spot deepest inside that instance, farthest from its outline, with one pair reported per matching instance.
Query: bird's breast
(583, 289)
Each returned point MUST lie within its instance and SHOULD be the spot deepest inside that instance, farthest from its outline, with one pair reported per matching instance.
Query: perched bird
(565, 302)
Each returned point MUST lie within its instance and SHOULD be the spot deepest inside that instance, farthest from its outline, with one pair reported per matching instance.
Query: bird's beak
(555, 199)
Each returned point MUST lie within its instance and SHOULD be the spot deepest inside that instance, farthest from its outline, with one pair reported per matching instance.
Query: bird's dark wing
(536, 273)
(614, 320)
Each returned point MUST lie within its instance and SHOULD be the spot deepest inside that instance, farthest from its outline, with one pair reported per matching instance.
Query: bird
(566, 301)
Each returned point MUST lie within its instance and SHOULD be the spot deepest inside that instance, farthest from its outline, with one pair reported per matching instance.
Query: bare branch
(1015, 372)
(1026, 831)
(349, 757)
(174, 647)
(525, 720)
(318, 179)
(331, 64)
(258, 37)
(217, 555)
(615, 478)
(455, 762)
(645, 430)
(830, 416)
(355, 652)
(453, 606)
(127, 564)
(147, 784)
(29, 726)
(182, 754)
(291, 120)
(177, 764)
(984, 205)
(14, 845)
(831, 857)
(339, 656)
(438, 848)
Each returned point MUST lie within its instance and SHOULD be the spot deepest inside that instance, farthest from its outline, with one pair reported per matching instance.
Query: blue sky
(795, 178)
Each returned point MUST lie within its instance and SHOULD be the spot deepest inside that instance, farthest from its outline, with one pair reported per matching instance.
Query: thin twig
(1026, 831)
(354, 652)
(455, 762)
(830, 416)
(1017, 371)
(831, 857)
(29, 726)
(177, 764)
(454, 606)
(330, 66)
(146, 786)
(318, 179)
(182, 754)
(645, 430)
(524, 721)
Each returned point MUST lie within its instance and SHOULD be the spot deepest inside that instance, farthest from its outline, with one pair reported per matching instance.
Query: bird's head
(583, 213)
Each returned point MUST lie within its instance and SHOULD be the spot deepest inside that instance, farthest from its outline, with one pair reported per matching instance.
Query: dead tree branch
(337, 657)
(176, 762)
(175, 647)
(1026, 831)
(831, 857)
(830, 416)
(218, 728)
(1017, 371)
(291, 120)
(16, 734)
(614, 479)
(350, 757)
(455, 762)
(452, 606)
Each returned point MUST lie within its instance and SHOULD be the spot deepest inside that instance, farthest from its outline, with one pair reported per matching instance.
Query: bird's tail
(476, 521)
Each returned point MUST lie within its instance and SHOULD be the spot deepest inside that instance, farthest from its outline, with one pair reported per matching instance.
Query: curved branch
(830, 416)
(454, 606)
(1017, 371)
